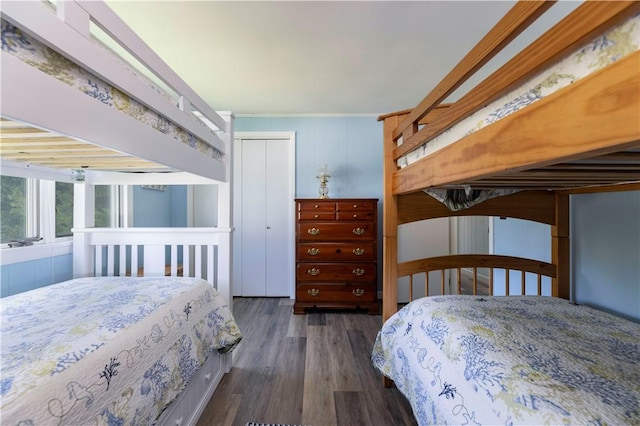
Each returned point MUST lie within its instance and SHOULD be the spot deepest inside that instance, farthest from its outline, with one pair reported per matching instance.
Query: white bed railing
(77, 115)
(190, 252)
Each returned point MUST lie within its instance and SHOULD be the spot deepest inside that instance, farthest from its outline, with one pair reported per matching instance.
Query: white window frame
(41, 193)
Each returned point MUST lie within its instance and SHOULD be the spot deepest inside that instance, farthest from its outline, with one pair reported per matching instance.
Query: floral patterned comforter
(512, 360)
(108, 350)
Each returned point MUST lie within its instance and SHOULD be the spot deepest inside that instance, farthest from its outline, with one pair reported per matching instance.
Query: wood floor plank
(313, 369)
(352, 409)
(286, 395)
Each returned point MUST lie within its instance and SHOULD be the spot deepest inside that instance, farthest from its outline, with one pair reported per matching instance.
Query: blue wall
(605, 249)
(351, 146)
(523, 238)
(22, 276)
(605, 244)
(166, 208)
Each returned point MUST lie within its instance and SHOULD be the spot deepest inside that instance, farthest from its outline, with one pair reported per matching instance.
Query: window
(13, 205)
(104, 206)
(35, 208)
(64, 209)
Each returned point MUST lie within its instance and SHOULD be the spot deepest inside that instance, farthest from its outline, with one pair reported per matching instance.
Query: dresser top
(335, 200)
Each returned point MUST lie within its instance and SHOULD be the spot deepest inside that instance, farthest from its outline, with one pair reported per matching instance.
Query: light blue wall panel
(178, 206)
(24, 276)
(151, 208)
(166, 208)
(605, 241)
(522, 238)
(351, 146)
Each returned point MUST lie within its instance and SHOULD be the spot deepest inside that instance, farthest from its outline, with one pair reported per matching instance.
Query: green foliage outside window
(103, 206)
(13, 206)
(64, 209)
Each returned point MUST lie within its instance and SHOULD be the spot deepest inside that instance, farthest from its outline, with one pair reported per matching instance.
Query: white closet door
(263, 210)
(253, 218)
(278, 226)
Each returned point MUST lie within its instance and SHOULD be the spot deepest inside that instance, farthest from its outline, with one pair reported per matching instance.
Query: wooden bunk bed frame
(590, 142)
(52, 129)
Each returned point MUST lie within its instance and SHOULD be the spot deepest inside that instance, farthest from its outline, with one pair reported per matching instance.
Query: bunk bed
(560, 117)
(83, 96)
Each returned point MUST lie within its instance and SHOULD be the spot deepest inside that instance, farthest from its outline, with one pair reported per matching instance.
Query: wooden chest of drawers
(336, 254)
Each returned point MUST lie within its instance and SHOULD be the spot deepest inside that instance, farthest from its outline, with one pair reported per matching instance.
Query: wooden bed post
(560, 249)
(390, 230)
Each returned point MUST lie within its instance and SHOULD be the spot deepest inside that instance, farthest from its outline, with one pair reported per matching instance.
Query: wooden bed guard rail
(577, 28)
(477, 261)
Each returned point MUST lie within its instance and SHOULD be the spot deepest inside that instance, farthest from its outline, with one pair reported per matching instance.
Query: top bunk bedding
(77, 81)
(560, 114)
(615, 44)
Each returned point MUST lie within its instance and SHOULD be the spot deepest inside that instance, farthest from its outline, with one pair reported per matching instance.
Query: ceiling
(314, 57)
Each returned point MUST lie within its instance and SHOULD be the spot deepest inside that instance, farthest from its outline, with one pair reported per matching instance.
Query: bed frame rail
(456, 267)
(189, 252)
(580, 26)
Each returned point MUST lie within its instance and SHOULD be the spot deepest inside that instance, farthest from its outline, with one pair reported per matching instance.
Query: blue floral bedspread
(512, 360)
(107, 350)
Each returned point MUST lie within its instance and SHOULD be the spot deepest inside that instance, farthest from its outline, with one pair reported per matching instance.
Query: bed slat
(476, 261)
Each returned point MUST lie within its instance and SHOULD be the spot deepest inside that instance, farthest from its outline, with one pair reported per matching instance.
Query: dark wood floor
(311, 369)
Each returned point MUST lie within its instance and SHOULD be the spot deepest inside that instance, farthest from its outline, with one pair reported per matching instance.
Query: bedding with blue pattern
(107, 350)
(512, 360)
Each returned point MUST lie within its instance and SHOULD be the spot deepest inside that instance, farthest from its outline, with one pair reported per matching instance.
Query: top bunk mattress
(30, 51)
(75, 73)
(605, 49)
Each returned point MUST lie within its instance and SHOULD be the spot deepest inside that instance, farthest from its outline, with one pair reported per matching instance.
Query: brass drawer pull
(358, 292)
(358, 231)
(313, 292)
(355, 216)
(313, 231)
(358, 251)
(358, 272)
(313, 251)
(313, 271)
(355, 206)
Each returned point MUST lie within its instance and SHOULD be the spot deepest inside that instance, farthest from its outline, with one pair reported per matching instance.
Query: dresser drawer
(316, 215)
(328, 252)
(340, 272)
(323, 231)
(316, 206)
(332, 292)
(355, 206)
(355, 215)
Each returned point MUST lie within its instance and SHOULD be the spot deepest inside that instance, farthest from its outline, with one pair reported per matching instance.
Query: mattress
(108, 350)
(512, 360)
(603, 50)
(29, 50)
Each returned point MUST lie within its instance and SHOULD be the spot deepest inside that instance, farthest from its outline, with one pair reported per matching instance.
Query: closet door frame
(288, 210)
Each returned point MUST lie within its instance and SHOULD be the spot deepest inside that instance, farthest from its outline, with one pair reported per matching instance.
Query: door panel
(278, 227)
(253, 223)
(263, 211)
